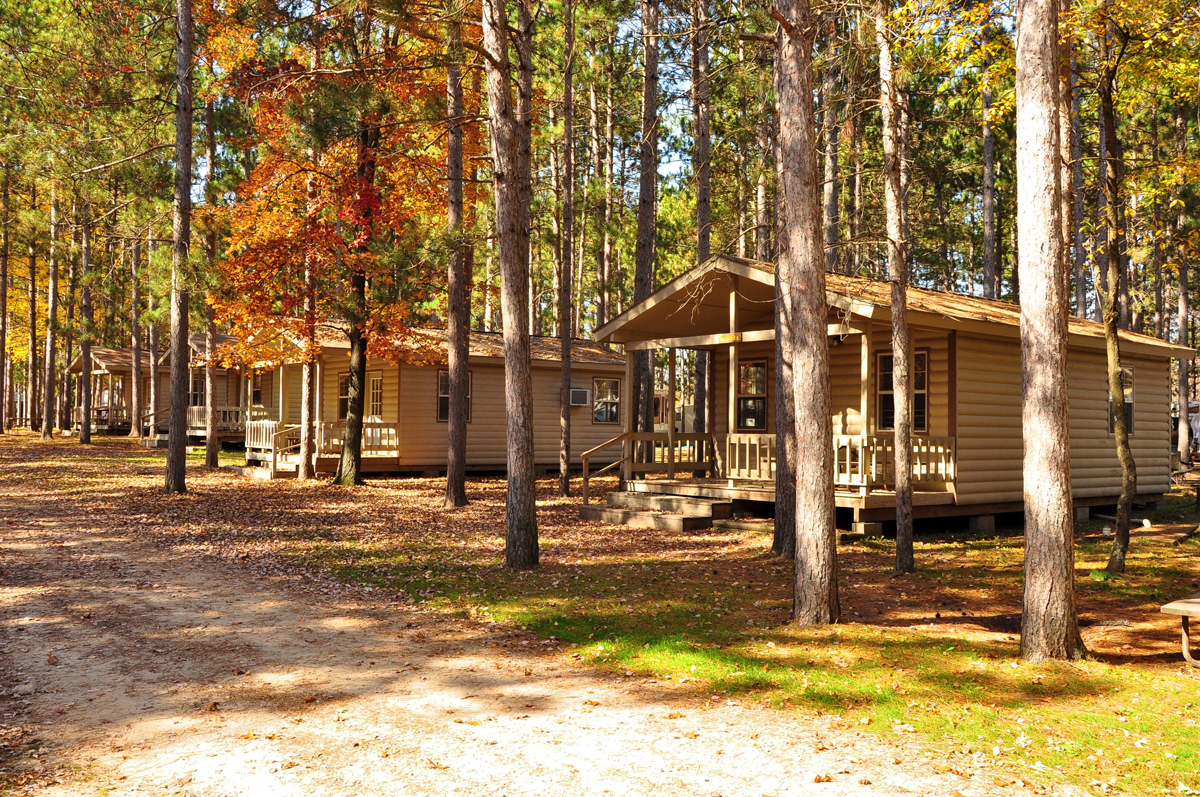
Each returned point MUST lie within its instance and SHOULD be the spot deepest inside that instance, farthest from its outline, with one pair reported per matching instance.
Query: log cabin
(967, 439)
(407, 404)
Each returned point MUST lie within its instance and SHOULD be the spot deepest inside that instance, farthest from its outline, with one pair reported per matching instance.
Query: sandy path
(139, 669)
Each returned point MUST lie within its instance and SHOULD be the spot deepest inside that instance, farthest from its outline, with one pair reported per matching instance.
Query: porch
(275, 445)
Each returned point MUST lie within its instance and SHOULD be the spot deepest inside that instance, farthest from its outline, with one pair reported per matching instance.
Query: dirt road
(133, 667)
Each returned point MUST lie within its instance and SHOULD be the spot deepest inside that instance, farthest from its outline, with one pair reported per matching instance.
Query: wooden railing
(859, 461)
(655, 452)
(378, 439)
(104, 415)
(229, 419)
(586, 459)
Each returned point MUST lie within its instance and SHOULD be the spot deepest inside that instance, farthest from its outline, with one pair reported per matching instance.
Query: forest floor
(278, 638)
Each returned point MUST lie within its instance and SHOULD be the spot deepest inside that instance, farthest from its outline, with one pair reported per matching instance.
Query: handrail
(586, 457)
(283, 432)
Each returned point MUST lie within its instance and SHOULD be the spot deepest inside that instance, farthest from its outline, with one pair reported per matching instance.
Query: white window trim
(440, 395)
(879, 393)
(596, 400)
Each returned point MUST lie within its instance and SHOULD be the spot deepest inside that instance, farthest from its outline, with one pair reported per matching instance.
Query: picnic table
(1185, 608)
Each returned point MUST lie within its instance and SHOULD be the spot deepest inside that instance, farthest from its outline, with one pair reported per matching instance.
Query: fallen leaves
(823, 779)
(675, 715)
(431, 764)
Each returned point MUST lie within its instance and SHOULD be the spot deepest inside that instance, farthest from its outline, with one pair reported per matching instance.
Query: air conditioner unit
(581, 397)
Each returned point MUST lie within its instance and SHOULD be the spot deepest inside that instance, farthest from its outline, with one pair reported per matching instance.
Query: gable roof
(106, 359)
(872, 298)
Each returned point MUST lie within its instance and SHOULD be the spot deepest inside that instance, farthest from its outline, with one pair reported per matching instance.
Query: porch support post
(865, 405)
(731, 409)
(627, 420)
(282, 392)
(671, 413)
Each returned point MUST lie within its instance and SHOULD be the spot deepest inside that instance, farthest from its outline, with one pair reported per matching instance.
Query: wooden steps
(651, 511)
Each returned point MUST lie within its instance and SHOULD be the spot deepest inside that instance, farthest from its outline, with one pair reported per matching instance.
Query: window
(375, 380)
(1127, 384)
(443, 405)
(606, 401)
(343, 396)
(752, 395)
(885, 418)
(195, 389)
(256, 390)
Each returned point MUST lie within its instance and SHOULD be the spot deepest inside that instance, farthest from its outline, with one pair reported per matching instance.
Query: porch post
(865, 404)
(282, 393)
(627, 403)
(731, 409)
(671, 413)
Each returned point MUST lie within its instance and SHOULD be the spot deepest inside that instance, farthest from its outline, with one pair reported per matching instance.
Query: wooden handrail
(586, 456)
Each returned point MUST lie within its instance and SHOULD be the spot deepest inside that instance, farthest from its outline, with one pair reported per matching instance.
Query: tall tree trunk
(151, 343)
(181, 238)
(135, 326)
(1160, 310)
(5, 379)
(890, 110)
(815, 590)
(702, 166)
(31, 369)
(349, 469)
(832, 128)
(1066, 94)
(306, 468)
(1111, 297)
(1048, 623)
(565, 320)
(510, 171)
(49, 377)
(66, 412)
(86, 322)
(212, 438)
(643, 275)
(459, 316)
(610, 269)
(1077, 247)
(1184, 428)
(991, 281)
(600, 183)
(783, 542)
(1100, 251)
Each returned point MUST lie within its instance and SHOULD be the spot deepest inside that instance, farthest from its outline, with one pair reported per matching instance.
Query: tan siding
(989, 447)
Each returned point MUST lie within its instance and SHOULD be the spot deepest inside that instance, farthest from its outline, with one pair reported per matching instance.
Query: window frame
(739, 395)
(446, 395)
(343, 400)
(256, 389)
(880, 393)
(616, 401)
(1129, 387)
(374, 377)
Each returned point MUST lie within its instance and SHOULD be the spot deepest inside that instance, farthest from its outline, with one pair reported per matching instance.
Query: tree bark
(831, 127)
(783, 542)
(5, 379)
(212, 438)
(86, 322)
(65, 407)
(306, 468)
(181, 237)
(510, 171)
(32, 399)
(49, 378)
(1184, 428)
(702, 166)
(890, 111)
(1113, 308)
(1079, 255)
(991, 282)
(815, 590)
(565, 319)
(1048, 622)
(643, 275)
(459, 316)
(135, 325)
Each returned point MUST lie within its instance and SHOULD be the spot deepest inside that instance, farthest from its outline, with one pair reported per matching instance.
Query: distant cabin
(407, 404)
(967, 444)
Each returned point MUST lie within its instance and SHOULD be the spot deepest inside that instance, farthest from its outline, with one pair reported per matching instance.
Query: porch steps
(740, 524)
(684, 505)
(650, 511)
(157, 441)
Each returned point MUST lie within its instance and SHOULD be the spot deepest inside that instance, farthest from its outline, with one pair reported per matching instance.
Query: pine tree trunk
(66, 413)
(643, 275)
(1048, 622)
(991, 282)
(832, 127)
(510, 172)
(459, 307)
(815, 592)
(306, 468)
(1114, 243)
(49, 377)
(5, 379)
(181, 237)
(32, 399)
(565, 319)
(1078, 254)
(86, 324)
(1182, 397)
(702, 166)
(135, 325)
(783, 542)
(212, 438)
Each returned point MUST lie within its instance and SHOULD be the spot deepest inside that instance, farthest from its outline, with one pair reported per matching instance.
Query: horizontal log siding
(990, 446)
(845, 377)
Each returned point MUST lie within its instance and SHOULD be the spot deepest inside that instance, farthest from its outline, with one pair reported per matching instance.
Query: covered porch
(726, 307)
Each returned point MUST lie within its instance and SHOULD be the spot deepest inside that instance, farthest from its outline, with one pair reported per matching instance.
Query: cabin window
(343, 396)
(886, 397)
(606, 401)
(256, 389)
(195, 389)
(752, 395)
(375, 380)
(1127, 384)
(443, 405)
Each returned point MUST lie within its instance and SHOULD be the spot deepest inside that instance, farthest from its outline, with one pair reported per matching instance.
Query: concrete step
(158, 441)
(644, 519)
(703, 507)
(744, 524)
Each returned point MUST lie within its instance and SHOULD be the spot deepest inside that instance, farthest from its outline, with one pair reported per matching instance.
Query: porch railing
(378, 439)
(860, 461)
(229, 419)
(102, 416)
(654, 452)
